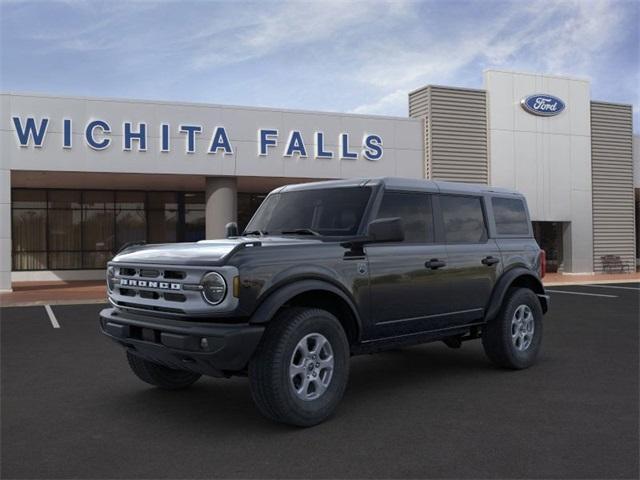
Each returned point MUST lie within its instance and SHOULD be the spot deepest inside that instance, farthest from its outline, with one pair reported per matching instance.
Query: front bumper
(179, 344)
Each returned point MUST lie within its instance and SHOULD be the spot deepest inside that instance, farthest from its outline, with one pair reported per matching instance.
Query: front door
(407, 291)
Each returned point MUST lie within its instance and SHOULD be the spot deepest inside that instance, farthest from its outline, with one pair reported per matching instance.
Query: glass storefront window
(82, 229)
(65, 230)
(100, 199)
(162, 201)
(130, 200)
(131, 226)
(194, 225)
(64, 199)
(162, 226)
(65, 260)
(29, 198)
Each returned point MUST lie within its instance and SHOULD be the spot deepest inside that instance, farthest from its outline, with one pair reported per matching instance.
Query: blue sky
(346, 56)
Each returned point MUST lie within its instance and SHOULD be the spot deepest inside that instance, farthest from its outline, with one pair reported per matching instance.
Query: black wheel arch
(313, 293)
(515, 277)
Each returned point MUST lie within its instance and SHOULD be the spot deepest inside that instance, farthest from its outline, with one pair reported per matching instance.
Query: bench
(613, 263)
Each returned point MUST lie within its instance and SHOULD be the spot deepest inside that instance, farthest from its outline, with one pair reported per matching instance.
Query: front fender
(519, 276)
(280, 295)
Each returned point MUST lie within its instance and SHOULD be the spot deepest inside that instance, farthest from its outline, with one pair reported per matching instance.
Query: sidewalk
(555, 279)
(53, 293)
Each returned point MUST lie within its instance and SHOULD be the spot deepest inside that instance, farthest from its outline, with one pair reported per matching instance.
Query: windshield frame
(362, 225)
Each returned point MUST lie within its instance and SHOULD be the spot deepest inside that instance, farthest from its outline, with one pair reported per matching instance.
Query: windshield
(326, 212)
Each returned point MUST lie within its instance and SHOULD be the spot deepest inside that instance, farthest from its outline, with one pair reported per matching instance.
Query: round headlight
(214, 288)
(111, 273)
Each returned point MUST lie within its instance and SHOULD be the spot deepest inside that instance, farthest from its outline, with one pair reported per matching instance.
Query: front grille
(149, 273)
(152, 308)
(175, 297)
(174, 275)
(172, 290)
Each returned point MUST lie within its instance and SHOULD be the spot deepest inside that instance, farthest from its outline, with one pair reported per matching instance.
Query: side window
(415, 211)
(463, 219)
(510, 216)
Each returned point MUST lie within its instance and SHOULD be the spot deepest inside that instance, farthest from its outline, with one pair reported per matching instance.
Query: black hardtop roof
(402, 184)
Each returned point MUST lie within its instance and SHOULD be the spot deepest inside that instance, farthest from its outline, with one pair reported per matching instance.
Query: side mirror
(386, 230)
(231, 229)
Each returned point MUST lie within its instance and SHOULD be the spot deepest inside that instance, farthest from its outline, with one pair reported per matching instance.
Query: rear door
(474, 260)
(406, 278)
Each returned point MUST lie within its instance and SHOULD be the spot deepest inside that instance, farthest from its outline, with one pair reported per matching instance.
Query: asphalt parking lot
(72, 409)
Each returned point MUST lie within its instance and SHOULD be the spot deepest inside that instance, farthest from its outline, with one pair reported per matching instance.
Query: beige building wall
(548, 159)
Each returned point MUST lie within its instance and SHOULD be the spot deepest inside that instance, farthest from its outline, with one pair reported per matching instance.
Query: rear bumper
(179, 344)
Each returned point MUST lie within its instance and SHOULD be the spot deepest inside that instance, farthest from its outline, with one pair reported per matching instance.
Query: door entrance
(549, 237)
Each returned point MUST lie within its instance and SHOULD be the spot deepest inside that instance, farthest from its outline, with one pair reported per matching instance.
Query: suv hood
(209, 252)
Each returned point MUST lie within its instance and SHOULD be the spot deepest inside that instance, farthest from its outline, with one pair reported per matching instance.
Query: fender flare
(504, 283)
(283, 293)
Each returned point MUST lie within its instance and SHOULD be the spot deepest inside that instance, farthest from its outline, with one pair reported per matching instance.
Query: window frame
(494, 225)
(485, 216)
(431, 196)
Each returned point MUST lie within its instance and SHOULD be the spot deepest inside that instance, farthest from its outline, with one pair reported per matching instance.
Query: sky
(344, 56)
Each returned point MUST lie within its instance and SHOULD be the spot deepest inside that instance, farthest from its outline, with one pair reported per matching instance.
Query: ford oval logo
(542, 104)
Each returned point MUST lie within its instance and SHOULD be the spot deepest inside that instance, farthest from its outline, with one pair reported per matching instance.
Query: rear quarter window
(510, 216)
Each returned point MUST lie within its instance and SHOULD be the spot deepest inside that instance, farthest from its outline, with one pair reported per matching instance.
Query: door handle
(488, 261)
(434, 264)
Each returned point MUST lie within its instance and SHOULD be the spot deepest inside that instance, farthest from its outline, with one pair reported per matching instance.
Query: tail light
(543, 263)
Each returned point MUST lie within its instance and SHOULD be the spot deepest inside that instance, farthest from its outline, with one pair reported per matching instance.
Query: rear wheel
(159, 375)
(512, 339)
(300, 370)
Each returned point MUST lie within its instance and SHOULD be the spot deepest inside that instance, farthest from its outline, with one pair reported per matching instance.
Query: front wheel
(512, 339)
(300, 370)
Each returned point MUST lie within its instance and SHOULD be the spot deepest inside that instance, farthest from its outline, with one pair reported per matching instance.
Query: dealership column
(5, 228)
(221, 205)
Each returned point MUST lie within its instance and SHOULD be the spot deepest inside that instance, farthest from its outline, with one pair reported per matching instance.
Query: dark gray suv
(328, 270)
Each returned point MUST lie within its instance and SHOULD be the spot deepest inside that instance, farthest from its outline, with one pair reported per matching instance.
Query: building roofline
(466, 89)
(538, 74)
(202, 104)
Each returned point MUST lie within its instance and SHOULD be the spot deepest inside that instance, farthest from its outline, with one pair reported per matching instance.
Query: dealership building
(80, 177)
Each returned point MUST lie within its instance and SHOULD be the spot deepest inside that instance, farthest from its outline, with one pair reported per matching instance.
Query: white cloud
(540, 43)
(394, 103)
(288, 25)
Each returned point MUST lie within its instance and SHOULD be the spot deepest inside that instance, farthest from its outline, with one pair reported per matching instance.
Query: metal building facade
(612, 178)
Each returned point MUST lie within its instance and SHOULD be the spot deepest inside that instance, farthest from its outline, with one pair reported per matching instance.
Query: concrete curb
(41, 303)
(592, 282)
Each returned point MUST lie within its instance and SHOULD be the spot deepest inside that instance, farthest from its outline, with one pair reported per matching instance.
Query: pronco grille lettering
(128, 282)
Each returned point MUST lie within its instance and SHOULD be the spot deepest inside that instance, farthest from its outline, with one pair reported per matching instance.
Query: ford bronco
(324, 271)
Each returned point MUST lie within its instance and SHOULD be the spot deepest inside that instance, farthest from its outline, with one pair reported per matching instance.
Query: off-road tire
(269, 378)
(496, 335)
(159, 375)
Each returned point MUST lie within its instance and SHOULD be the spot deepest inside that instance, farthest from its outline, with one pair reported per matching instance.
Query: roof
(402, 183)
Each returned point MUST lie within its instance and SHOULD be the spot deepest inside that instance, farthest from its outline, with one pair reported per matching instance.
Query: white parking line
(52, 317)
(611, 286)
(582, 293)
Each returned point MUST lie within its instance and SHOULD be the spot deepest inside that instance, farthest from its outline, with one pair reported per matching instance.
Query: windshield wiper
(301, 231)
(255, 232)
